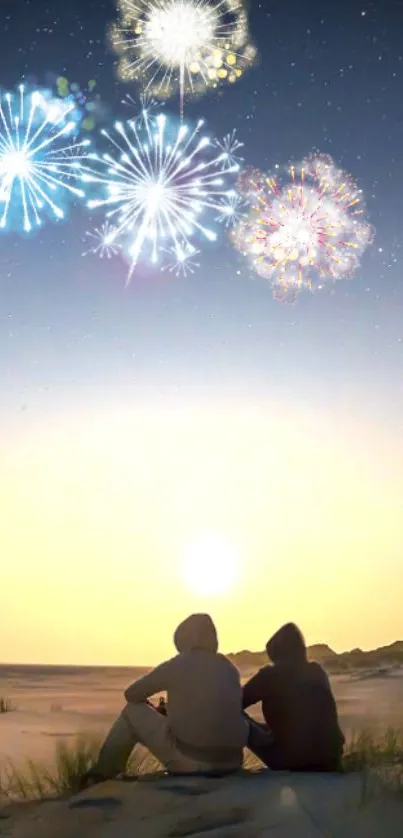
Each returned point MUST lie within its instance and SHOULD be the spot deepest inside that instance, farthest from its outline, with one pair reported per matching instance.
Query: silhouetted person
(301, 731)
(204, 730)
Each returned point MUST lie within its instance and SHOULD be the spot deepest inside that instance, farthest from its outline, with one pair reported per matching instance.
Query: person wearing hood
(301, 731)
(204, 730)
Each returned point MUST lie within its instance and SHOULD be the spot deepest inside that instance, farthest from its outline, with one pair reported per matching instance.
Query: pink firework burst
(305, 230)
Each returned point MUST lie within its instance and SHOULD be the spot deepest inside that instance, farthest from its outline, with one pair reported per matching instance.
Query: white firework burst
(40, 161)
(102, 241)
(229, 147)
(303, 230)
(189, 45)
(157, 186)
(147, 103)
(182, 260)
(231, 209)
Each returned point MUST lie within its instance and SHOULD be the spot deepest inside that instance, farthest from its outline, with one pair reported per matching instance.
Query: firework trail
(185, 45)
(40, 162)
(305, 230)
(157, 185)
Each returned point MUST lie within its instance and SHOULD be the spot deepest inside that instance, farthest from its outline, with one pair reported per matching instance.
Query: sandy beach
(59, 702)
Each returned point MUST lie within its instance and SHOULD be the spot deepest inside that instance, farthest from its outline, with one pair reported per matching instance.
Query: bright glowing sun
(210, 565)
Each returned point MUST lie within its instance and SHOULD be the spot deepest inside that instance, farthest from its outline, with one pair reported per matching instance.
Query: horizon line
(151, 666)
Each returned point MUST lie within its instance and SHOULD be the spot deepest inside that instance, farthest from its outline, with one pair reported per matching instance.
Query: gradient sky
(133, 421)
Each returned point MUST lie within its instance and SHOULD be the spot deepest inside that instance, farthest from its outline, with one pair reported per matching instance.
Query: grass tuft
(6, 706)
(378, 758)
(37, 780)
(368, 749)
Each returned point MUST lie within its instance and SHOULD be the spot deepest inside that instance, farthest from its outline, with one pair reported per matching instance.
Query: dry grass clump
(36, 780)
(6, 706)
(379, 757)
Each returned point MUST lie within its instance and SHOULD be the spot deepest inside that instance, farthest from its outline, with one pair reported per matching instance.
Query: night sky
(329, 78)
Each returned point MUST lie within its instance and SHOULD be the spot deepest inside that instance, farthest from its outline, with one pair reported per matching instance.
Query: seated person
(302, 732)
(204, 730)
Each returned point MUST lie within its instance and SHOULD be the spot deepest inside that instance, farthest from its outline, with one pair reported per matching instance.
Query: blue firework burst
(40, 158)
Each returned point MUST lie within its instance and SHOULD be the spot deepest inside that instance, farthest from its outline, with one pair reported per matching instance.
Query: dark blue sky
(329, 77)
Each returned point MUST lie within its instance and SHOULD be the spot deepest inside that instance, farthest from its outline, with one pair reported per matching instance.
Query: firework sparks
(229, 147)
(231, 209)
(189, 45)
(90, 110)
(146, 102)
(183, 260)
(157, 185)
(102, 241)
(40, 163)
(305, 231)
(88, 102)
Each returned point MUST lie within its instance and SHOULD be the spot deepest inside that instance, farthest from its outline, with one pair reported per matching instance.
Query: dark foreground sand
(265, 805)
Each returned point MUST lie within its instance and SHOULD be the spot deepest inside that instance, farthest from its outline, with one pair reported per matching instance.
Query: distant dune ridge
(385, 656)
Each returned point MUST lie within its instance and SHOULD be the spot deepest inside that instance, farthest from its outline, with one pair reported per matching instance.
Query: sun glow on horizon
(256, 513)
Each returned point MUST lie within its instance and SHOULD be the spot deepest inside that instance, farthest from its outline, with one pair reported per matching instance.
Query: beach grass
(368, 749)
(34, 779)
(6, 706)
(377, 757)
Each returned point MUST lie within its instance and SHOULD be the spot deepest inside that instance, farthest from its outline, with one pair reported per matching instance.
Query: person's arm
(255, 689)
(154, 682)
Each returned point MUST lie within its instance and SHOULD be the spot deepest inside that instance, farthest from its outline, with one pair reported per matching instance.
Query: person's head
(196, 632)
(287, 645)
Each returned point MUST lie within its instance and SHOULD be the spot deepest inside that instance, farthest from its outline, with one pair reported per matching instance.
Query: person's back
(298, 706)
(204, 693)
(201, 728)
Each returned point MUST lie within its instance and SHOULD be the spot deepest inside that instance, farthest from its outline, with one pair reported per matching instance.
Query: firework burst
(189, 45)
(40, 162)
(231, 209)
(157, 186)
(145, 102)
(305, 230)
(102, 241)
(182, 262)
(230, 146)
